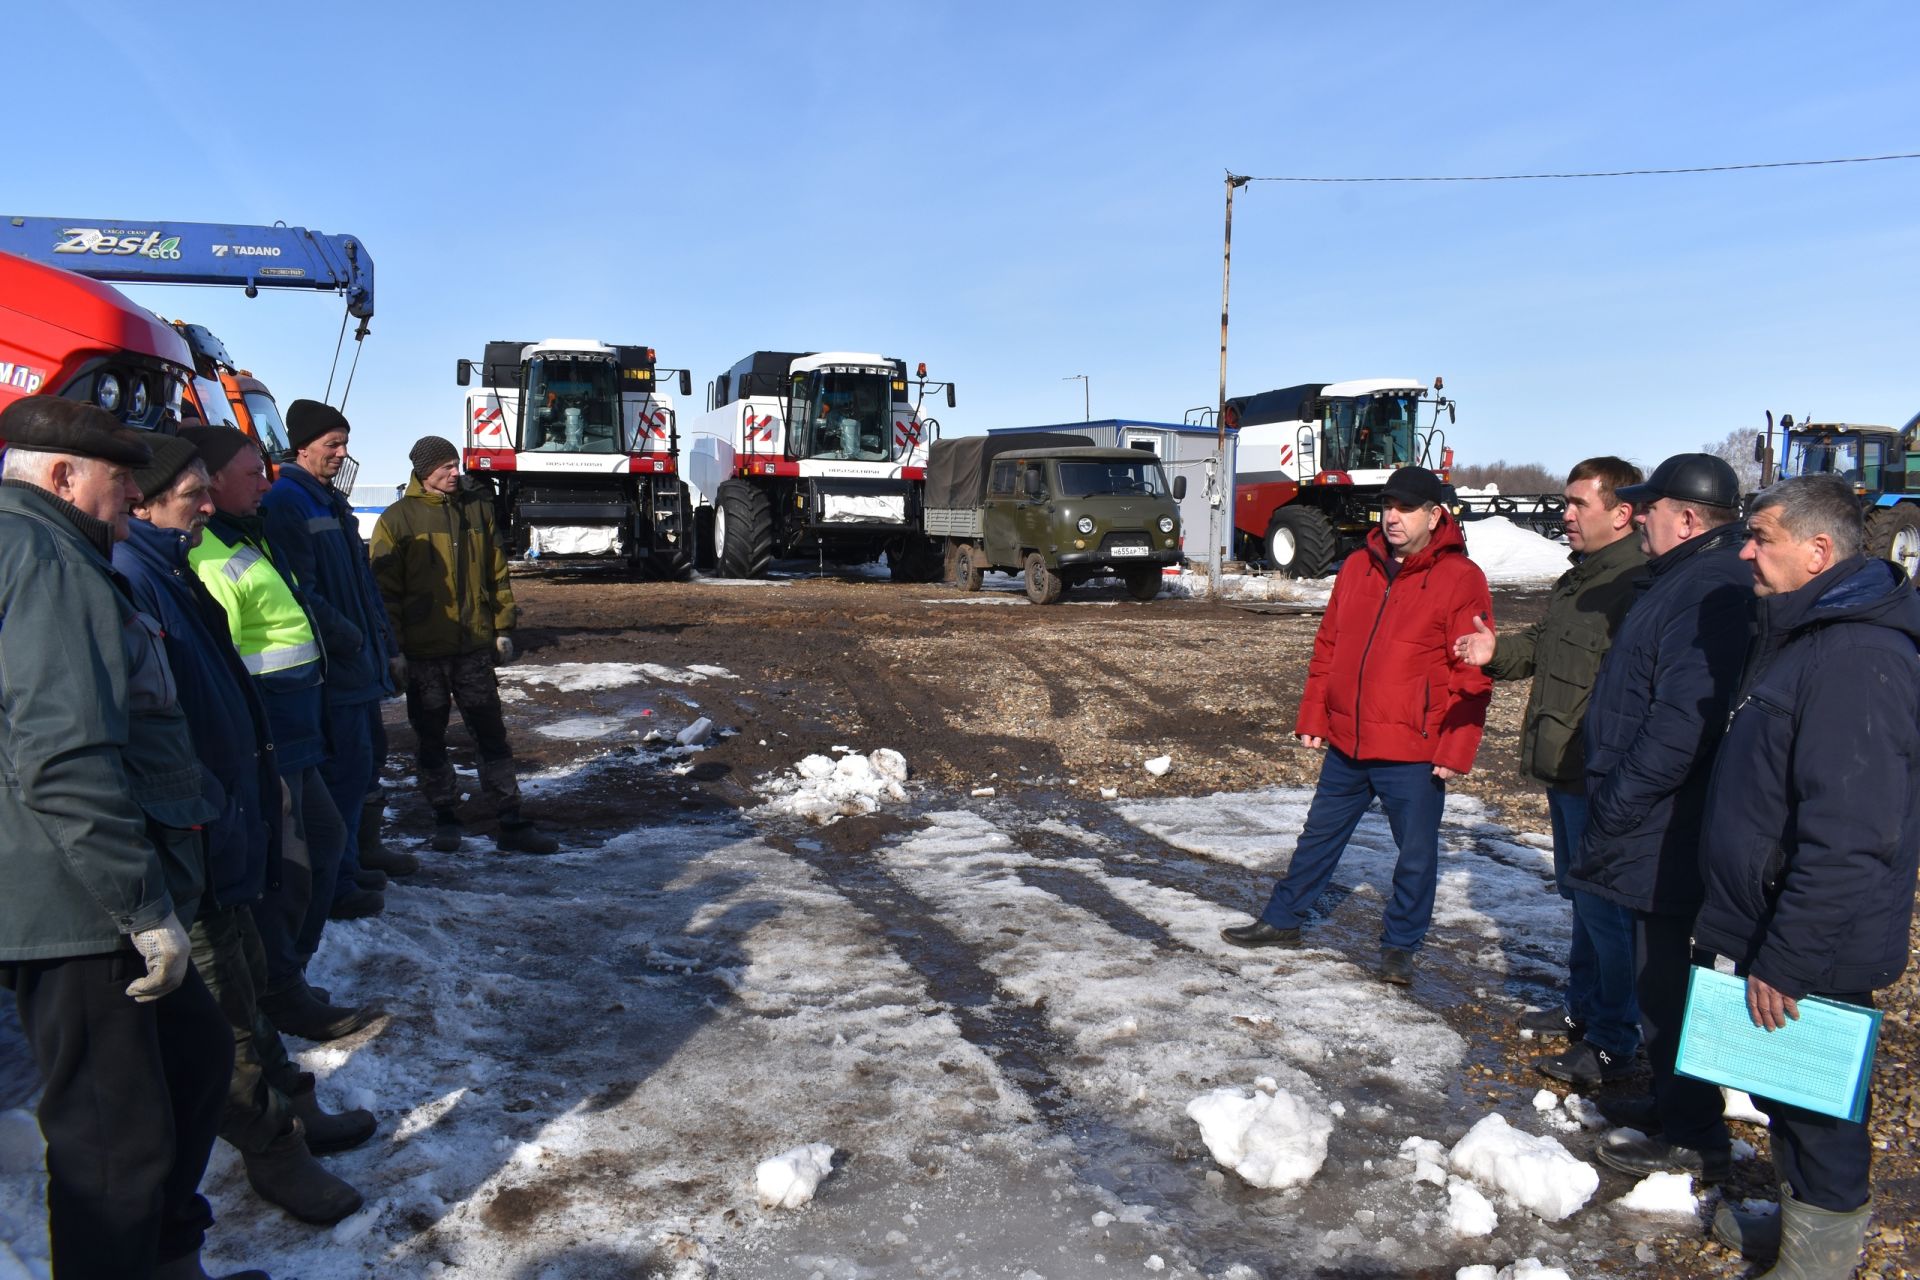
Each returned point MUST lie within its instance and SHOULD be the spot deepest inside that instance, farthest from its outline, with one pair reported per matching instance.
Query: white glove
(502, 650)
(168, 953)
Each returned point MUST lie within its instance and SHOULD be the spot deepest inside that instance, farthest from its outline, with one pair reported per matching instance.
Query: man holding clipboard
(1809, 840)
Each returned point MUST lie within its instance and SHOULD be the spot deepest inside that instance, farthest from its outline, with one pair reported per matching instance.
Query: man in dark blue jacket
(1810, 853)
(1657, 711)
(272, 1116)
(315, 536)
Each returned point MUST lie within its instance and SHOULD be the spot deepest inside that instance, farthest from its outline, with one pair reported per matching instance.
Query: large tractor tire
(1301, 542)
(969, 567)
(1043, 584)
(704, 554)
(1893, 533)
(1143, 584)
(743, 530)
(916, 560)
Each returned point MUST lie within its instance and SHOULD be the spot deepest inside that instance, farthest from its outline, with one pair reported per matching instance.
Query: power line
(1239, 179)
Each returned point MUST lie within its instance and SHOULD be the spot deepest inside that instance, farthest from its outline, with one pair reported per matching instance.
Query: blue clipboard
(1821, 1062)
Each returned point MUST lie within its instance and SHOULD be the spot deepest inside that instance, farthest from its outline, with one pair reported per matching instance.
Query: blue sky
(1019, 193)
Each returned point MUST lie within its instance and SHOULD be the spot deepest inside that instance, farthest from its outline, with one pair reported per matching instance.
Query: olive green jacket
(1562, 652)
(442, 572)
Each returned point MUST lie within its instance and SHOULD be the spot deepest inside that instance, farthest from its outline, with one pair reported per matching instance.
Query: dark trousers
(228, 955)
(434, 687)
(1663, 955)
(350, 771)
(1824, 1159)
(1413, 799)
(133, 1094)
(290, 917)
(1600, 982)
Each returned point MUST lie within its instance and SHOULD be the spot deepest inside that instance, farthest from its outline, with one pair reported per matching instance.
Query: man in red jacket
(1397, 714)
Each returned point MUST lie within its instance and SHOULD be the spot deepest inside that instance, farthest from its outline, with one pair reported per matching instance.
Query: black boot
(295, 1012)
(357, 904)
(374, 854)
(187, 1267)
(287, 1175)
(518, 835)
(328, 1133)
(446, 831)
(368, 878)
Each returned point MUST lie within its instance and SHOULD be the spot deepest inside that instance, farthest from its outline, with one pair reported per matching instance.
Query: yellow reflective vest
(269, 628)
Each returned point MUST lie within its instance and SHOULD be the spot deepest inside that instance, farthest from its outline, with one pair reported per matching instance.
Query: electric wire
(1598, 173)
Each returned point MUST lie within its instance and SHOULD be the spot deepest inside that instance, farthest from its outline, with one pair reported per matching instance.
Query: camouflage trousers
(231, 961)
(434, 687)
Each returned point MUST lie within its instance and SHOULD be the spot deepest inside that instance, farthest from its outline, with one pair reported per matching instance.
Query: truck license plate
(1127, 551)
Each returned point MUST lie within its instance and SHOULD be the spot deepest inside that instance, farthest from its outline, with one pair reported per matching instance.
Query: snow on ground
(584, 677)
(1532, 1171)
(1508, 553)
(822, 789)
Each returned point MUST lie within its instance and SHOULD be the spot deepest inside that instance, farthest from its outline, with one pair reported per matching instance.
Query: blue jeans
(1412, 798)
(1600, 958)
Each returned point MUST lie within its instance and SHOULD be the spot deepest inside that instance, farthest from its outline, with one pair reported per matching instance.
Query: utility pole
(1086, 401)
(1220, 409)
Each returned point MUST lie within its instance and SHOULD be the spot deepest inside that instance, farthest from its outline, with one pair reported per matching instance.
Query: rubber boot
(357, 904)
(295, 1012)
(1818, 1244)
(187, 1267)
(374, 855)
(518, 835)
(1755, 1235)
(327, 1132)
(446, 831)
(287, 1175)
(368, 878)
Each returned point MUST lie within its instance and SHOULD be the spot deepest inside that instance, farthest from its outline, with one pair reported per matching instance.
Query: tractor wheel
(1143, 583)
(968, 570)
(704, 555)
(743, 530)
(916, 560)
(1300, 542)
(1893, 533)
(1043, 584)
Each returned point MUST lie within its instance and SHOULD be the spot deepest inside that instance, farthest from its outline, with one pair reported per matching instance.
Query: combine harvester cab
(1313, 459)
(579, 447)
(65, 335)
(813, 453)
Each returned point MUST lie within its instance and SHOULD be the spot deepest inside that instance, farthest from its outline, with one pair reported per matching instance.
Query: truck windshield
(850, 416)
(1375, 434)
(1824, 455)
(572, 406)
(266, 422)
(1092, 479)
(213, 402)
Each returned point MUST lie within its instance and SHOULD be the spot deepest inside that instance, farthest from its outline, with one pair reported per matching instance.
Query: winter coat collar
(1856, 590)
(1673, 557)
(1446, 540)
(166, 548)
(1606, 558)
(319, 489)
(98, 534)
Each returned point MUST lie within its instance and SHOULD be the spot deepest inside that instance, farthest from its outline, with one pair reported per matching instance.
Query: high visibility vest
(269, 628)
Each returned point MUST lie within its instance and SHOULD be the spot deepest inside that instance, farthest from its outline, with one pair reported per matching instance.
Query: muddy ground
(1062, 702)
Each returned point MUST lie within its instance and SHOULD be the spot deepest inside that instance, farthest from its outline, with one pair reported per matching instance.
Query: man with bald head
(103, 860)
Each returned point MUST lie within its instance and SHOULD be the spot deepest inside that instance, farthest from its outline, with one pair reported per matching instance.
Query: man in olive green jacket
(443, 577)
(1562, 653)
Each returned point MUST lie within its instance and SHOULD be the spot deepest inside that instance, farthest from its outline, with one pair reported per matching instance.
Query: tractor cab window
(1375, 434)
(1092, 479)
(848, 416)
(572, 406)
(1824, 455)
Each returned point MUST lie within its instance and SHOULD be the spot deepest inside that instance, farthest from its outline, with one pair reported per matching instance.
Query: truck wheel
(1043, 584)
(915, 560)
(1893, 533)
(1142, 583)
(967, 567)
(1300, 542)
(743, 530)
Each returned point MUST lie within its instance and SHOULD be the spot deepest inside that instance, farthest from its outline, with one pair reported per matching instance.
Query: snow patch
(1508, 553)
(1468, 1212)
(1271, 1140)
(824, 790)
(1536, 1173)
(1661, 1193)
(789, 1179)
(586, 677)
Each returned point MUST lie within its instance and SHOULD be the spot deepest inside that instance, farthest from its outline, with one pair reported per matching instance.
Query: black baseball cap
(1687, 477)
(1414, 484)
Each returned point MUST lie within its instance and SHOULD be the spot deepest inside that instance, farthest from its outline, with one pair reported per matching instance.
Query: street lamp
(1086, 400)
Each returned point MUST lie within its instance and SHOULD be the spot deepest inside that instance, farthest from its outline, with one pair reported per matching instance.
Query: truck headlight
(140, 400)
(1166, 524)
(1085, 525)
(107, 393)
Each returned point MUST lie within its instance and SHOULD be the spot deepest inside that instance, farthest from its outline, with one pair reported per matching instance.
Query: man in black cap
(1397, 714)
(103, 860)
(443, 575)
(316, 540)
(1654, 721)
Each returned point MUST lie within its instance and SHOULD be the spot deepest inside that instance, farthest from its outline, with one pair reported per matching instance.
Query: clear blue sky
(1015, 193)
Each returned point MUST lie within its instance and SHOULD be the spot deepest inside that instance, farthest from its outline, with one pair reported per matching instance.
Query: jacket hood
(1446, 540)
(1862, 589)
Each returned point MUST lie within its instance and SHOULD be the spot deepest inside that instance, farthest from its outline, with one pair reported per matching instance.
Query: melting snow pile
(1274, 587)
(1506, 552)
(789, 1179)
(1661, 1193)
(1468, 1212)
(823, 790)
(1272, 1139)
(1525, 1269)
(1536, 1173)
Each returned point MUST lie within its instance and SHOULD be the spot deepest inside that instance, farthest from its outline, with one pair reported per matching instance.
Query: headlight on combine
(140, 401)
(1166, 524)
(107, 393)
(1085, 525)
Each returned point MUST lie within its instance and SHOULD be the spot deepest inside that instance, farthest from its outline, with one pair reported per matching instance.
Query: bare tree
(1737, 450)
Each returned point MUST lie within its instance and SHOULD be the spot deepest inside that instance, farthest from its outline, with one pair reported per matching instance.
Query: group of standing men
(192, 662)
(1726, 716)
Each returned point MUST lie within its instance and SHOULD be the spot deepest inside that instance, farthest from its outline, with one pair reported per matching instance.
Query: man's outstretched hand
(1477, 648)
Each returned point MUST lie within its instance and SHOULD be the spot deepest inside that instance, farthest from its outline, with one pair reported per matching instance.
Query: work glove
(167, 952)
(502, 650)
(397, 668)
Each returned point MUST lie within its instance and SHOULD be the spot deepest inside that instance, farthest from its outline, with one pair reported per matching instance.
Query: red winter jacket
(1383, 683)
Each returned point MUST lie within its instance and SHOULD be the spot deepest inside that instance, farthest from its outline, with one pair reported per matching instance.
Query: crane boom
(250, 257)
